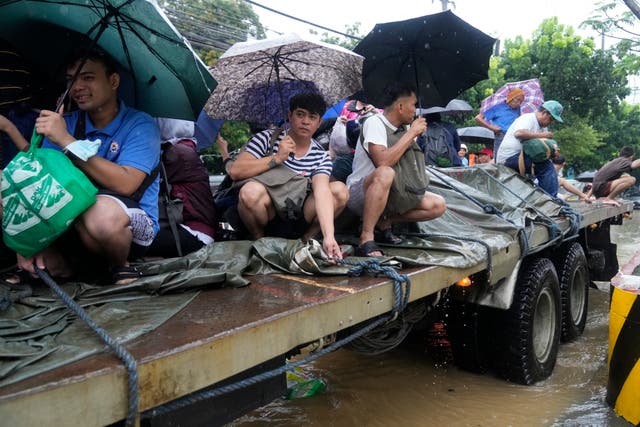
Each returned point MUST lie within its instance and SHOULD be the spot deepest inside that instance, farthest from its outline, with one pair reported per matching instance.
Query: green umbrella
(165, 76)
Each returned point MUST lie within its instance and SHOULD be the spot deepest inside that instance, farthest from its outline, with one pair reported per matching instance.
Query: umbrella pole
(282, 109)
(415, 74)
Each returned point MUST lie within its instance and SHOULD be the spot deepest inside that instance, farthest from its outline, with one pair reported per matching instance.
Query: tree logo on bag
(16, 217)
(23, 169)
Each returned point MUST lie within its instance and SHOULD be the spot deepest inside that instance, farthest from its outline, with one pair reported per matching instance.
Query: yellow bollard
(624, 354)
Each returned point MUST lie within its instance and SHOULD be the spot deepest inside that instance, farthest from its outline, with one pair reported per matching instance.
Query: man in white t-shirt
(373, 173)
(530, 126)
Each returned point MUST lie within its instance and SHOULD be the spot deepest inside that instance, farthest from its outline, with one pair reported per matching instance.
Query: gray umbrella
(476, 135)
(257, 78)
(454, 107)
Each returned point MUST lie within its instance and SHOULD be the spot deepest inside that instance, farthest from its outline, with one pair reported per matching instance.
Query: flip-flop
(386, 236)
(367, 248)
(124, 275)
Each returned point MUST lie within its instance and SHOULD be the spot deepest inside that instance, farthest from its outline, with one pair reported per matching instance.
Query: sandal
(367, 248)
(124, 275)
(386, 236)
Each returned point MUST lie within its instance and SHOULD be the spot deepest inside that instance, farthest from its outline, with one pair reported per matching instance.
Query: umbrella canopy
(476, 135)
(440, 54)
(454, 107)
(257, 78)
(167, 78)
(335, 110)
(533, 96)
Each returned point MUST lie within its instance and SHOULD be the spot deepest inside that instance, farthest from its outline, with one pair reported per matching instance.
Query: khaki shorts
(356, 197)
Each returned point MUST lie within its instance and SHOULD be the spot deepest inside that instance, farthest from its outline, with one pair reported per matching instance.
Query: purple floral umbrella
(257, 78)
(533, 96)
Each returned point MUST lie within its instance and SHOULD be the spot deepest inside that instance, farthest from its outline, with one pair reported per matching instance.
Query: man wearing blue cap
(531, 126)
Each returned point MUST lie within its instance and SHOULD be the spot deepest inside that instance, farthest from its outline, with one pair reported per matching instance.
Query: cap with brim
(463, 146)
(555, 109)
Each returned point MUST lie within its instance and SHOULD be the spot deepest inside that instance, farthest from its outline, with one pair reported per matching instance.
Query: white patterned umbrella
(257, 78)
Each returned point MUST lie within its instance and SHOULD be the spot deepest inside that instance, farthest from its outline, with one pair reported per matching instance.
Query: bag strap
(272, 141)
(165, 187)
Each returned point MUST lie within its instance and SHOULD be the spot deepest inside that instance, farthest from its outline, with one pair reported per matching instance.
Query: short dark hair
(558, 160)
(627, 151)
(95, 55)
(394, 91)
(310, 101)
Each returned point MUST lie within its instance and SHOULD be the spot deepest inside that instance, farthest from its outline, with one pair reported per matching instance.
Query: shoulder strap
(79, 132)
(165, 192)
(274, 137)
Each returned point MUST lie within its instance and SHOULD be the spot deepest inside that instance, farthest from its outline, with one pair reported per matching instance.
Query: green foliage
(569, 67)
(580, 143)
(212, 26)
(237, 134)
(591, 84)
(346, 42)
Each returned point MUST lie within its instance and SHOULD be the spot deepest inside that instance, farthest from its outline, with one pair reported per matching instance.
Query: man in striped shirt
(297, 150)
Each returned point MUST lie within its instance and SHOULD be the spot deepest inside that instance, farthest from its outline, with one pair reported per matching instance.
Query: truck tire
(470, 332)
(573, 274)
(531, 326)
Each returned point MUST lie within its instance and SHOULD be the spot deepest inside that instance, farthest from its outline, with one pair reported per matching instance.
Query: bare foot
(610, 202)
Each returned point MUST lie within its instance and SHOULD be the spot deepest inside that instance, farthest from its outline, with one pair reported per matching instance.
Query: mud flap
(602, 254)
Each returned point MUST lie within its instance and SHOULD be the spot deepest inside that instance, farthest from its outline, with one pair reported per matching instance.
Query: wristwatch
(272, 162)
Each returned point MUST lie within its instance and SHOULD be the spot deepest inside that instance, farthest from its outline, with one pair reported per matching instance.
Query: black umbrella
(440, 54)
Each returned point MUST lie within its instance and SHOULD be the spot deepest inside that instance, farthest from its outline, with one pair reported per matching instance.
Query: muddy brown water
(405, 387)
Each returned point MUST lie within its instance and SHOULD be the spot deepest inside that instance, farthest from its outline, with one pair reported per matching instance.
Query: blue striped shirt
(316, 161)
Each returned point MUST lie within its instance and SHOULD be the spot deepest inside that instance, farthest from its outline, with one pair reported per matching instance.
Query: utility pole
(445, 4)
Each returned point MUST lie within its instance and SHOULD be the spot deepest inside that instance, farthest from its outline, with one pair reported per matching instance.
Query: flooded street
(405, 387)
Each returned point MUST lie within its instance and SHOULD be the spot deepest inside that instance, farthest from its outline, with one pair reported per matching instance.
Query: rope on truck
(486, 207)
(401, 291)
(120, 351)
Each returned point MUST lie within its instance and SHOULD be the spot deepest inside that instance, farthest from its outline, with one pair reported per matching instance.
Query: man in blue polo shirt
(124, 220)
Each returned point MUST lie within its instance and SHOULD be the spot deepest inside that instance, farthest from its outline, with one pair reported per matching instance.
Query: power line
(302, 20)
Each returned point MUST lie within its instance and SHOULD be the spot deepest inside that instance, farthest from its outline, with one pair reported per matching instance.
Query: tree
(346, 42)
(585, 80)
(212, 26)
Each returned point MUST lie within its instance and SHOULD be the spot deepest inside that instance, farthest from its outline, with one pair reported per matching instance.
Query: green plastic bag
(42, 193)
(539, 149)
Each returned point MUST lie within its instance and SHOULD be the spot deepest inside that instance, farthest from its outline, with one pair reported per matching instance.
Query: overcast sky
(498, 18)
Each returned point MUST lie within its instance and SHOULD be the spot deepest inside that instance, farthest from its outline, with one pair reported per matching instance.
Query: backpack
(184, 196)
(438, 151)
(410, 181)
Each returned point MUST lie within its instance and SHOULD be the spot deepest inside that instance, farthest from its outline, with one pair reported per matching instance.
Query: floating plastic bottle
(301, 384)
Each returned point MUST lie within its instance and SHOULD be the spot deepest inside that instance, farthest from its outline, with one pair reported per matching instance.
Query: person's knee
(439, 205)
(252, 194)
(383, 176)
(340, 193)
(104, 219)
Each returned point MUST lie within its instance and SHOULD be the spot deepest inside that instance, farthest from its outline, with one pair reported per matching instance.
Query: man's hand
(287, 146)
(548, 135)
(331, 248)
(53, 126)
(50, 259)
(418, 127)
